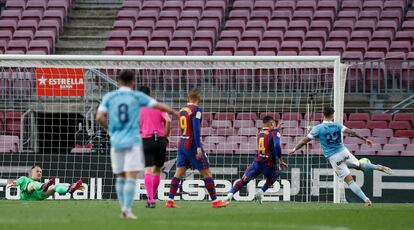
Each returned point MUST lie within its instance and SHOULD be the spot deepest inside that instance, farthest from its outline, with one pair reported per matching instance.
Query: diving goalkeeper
(32, 189)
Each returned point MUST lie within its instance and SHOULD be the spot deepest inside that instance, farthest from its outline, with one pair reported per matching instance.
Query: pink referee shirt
(152, 120)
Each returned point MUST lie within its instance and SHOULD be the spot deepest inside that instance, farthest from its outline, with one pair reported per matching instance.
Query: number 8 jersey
(330, 136)
(122, 107)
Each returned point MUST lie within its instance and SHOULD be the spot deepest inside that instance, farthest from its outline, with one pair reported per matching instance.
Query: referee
(155, 128)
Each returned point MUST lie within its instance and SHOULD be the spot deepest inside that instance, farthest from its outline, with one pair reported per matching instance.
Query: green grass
(74, 215)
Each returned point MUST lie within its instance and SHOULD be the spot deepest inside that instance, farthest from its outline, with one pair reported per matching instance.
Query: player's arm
(353, 133)
(301, 143)
(164, 107)
(196, 122)
(278, 150)
(102, 119)
(167, 126)
(314, 133)
(101, 114)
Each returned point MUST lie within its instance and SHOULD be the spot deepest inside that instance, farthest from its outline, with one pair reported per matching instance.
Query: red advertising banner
(60, 82)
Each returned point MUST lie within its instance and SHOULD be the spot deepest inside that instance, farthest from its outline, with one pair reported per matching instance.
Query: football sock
(268, 184)
(366, 167)
(357, 190)
(119, 187)
(155, 183)
(149, 187)
(175, 182)
(61, 189)
(239, 184)
(211, 188)
(129, 193)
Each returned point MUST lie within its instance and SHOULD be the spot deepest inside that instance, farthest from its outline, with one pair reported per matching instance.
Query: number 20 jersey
(330, 137)
(123, 108)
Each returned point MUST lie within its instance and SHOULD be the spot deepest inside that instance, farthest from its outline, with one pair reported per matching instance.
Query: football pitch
(74, 215)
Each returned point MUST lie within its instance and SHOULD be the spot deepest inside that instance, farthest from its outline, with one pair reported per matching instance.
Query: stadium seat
(353, 147)
(2, 121)
(388, 153)
(247, 148)
(237, 139)
(247, 131)
(358, 117)
(243, 124)
(394, 147)
(9, 144)
(363, 132)
(224, 116)
(399, 140)
(12, 120)
(399, 125)
(292, 116)
(221, 124)
(404, 133)
(226, 148)
(375, 147)
(355, 124)
(353, 140)
(292, 132)
(382, 133)
(246, 116)
(379, 140)
(407, 153)
(381, 117)
(215, 139)
(377, 125)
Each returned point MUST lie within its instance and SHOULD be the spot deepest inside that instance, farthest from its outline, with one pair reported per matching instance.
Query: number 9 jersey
(122, 107)
(190, 125)
(330, 137)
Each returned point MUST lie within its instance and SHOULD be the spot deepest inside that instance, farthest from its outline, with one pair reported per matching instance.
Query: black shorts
(155, 151)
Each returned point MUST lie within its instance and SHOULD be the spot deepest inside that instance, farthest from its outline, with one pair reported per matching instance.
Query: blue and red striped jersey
(190, 125)
(268, 146)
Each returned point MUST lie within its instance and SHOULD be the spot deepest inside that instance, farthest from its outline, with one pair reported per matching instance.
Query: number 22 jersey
(123, 109)
(330, 137)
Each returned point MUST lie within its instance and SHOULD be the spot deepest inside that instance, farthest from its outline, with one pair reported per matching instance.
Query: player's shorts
(187, 158)
(256, 168)
(127, 160)
(342, 161)
(154, 151)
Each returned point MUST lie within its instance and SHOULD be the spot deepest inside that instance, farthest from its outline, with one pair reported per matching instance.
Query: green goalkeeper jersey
(23, 182)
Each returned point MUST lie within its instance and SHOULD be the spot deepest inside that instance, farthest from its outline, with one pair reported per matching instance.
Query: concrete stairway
(87, 28)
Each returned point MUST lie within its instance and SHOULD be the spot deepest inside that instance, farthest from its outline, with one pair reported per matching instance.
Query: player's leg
(271, 174)
(250, 174)
(149, 163)
(367, 166)
(203, 166)
(357, 190)
(339, 163)
(63, 189)
(134, 162)
(117, 163)
(159, 163)
(182, 164)
(175, 182)
(37, 186)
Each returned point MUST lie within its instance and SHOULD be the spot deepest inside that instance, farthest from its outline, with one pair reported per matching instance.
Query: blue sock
(357, 190)
(368, 167)
(129, 193)
(119, 187)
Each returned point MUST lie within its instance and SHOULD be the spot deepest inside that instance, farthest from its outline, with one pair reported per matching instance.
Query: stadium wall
(100, 181)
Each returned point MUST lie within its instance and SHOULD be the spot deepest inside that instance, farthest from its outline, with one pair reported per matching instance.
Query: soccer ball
(364, 161)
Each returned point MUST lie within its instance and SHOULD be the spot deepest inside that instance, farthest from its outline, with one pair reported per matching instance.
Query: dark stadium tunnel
(56, 131)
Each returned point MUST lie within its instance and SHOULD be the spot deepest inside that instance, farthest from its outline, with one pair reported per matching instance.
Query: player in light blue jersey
(330, 134)
(119, 113)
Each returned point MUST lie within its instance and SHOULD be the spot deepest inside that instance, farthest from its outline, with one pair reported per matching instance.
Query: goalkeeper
(32, 189)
